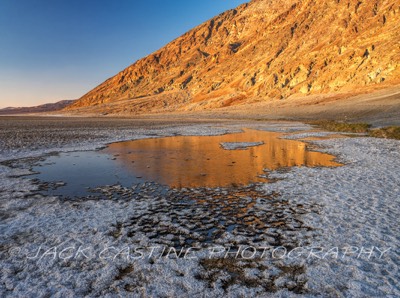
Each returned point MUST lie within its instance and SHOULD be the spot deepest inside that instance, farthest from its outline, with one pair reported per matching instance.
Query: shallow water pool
(180, 162)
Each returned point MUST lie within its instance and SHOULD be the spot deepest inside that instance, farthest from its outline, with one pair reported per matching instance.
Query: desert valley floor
(320, 218)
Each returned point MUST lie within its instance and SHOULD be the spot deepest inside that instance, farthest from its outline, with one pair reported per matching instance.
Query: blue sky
(59, 49)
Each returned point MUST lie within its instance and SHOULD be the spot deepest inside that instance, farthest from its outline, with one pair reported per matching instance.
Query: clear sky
(52, 50)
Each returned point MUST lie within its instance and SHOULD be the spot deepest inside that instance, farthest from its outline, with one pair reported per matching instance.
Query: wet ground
(201, 188)
(191, 191)
(123, 199)
(229, 160)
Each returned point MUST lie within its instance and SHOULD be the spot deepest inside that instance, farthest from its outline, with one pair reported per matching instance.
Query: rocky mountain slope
(48, 107)
(264, 50)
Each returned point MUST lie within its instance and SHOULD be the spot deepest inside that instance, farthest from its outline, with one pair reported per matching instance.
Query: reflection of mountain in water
(196, 161)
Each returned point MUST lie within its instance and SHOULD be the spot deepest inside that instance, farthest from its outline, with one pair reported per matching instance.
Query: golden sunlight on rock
(263, 50)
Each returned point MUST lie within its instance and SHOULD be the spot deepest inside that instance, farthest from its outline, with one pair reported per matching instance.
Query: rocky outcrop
(268, 49)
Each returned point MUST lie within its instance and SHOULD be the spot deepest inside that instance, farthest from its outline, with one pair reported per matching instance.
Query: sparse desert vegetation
(390, 132)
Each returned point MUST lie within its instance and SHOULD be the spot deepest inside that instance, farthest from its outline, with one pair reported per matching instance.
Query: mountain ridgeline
(264, 50)
(45, 108)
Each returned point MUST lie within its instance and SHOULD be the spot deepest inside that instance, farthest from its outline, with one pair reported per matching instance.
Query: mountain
(49, 107)
(263, 50)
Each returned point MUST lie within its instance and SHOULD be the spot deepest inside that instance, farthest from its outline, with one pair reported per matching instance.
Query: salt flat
(330, 231)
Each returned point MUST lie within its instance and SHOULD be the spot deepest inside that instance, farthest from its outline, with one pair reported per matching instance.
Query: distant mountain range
(49, 107)
(264, 50)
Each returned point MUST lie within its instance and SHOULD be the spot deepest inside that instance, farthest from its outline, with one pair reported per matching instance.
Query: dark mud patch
(204, 216)
(232, 272)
